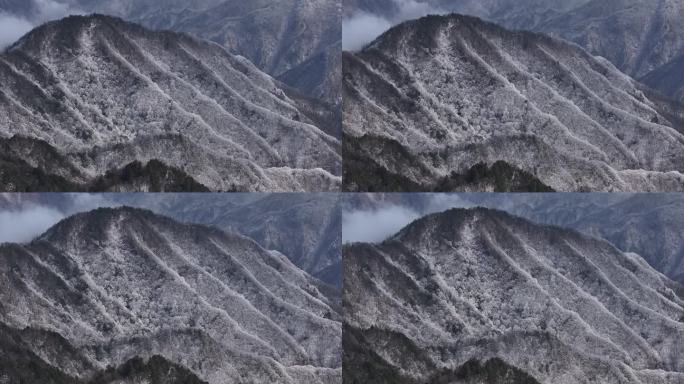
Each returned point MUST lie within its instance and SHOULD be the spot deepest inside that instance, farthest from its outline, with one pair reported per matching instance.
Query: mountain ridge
(644, 224)
(643, 39)
(151, 82)
(456, 87)
(304, 227)
(241, 312)
(557, 304)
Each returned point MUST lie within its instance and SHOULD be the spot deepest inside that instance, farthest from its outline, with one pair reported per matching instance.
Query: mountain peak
(97, 224)
(69, 32)
(453, 219)
(514, 290)
(132, 277)
(434, 31)
(105, 94)
(453, 96)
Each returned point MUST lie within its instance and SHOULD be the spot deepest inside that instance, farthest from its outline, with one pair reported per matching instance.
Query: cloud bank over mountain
(14, 25)
(22, 221)
(12, 28)
(376, 224)
(24, 225)
(363, 27)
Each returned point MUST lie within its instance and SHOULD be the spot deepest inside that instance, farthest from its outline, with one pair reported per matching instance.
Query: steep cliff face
(436, 103)
(121, 284)
(544, 304)
(104, 94)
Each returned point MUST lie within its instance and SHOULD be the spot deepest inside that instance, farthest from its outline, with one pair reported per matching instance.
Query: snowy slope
(476, 285)
(121, 283)
(105, 93)
(278, 36)
(433, 100)
(304, 227)
(644, 39)
(648, 224)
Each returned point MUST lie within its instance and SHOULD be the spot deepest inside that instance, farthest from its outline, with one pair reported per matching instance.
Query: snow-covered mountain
(297, 41)
(304, 227)
(644, 39)
(478, 295)
(113, 285)
(93, 100)
(456, 103)
(648, 224)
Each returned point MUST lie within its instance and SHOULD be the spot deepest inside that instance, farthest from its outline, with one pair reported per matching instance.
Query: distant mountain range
(480, 296)
(453, 103)
(154, 299)
(96, 103)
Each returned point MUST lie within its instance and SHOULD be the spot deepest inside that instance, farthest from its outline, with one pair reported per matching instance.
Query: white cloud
(24, 225)
(12, 28)
(361, 30)
(26, 219)
(378, 224)
(363, 27)
(375, 225)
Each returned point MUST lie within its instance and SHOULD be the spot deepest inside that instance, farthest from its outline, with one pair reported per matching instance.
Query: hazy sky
(363, 27)
(378, 223)
(13, 26)
(24, 225)
(375, 225)
(25, 219)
